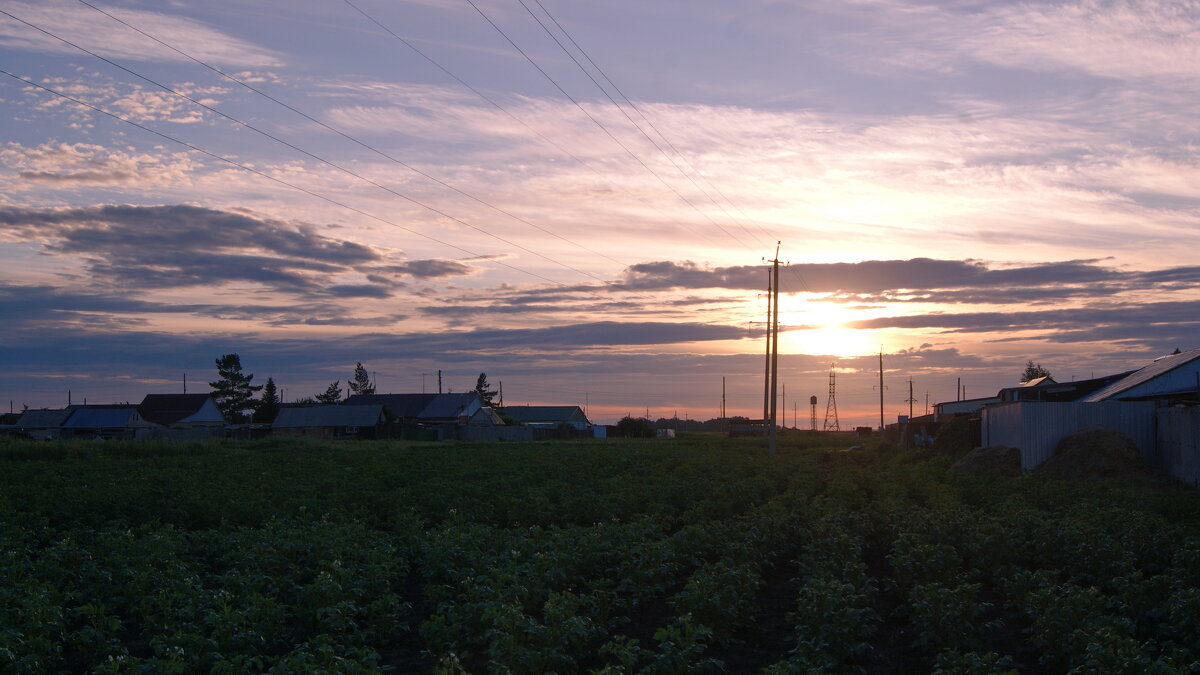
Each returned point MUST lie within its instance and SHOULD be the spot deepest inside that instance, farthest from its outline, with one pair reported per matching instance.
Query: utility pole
(774, 348)
(881, 388)
(911, 400)
(185, 383)
(785, 404)
(958, 389)
(926, 403)
(439, 380)
(502, 396)
(722, 397)
(767, 366)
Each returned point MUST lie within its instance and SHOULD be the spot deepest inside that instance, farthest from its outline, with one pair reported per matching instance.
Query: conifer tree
(232, 391)
(484, 390)
(268, 406)
(332, 395)
(361, 384)
(1033, 371)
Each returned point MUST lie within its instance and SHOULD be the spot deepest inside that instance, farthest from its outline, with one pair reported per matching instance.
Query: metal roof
(101, 418)
(170, 408)
(43, 418)
(545, 413)
(329, 416)
(1157, 368)
(446, 406)
(401, 405)
(421, 406)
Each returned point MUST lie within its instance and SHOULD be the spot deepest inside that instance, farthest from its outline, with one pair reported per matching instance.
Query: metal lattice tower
(831, 418)
(812, 403)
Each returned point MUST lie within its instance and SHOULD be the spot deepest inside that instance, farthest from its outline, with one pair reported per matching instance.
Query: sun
(827, 334)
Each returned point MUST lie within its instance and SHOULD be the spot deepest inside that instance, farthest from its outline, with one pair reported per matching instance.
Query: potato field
(697, 555)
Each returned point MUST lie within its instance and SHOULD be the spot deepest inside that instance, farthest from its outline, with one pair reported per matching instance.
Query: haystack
(995, 459)
(1095, 453)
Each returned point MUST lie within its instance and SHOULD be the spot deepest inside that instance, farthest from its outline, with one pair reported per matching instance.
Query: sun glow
(825, 331)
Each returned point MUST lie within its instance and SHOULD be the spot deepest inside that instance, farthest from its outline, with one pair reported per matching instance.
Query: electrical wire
(269, 177)
(627, 115)
(600, 124)
(651, 124)
(303, 151)
(345, 135)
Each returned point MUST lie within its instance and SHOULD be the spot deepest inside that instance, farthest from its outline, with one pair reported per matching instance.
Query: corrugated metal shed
(1167, 374)
(1035, 427)
(329, 416)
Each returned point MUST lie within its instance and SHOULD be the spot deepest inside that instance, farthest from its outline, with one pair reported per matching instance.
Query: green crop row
(701, 555)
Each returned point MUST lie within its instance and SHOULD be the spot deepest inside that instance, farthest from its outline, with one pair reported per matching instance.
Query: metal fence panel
(1179, 443)
(1035, 427)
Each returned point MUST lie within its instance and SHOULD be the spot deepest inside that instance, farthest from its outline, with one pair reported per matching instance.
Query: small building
(43, 423)
(1174, 378)
(425, 408)
(968, 406)
(1046, 389)
(548, 416)
(434, 416)
(181, 411)
(331, 421)
(105, 422)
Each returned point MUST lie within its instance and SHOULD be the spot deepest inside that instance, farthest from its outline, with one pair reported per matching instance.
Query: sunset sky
(443, 184)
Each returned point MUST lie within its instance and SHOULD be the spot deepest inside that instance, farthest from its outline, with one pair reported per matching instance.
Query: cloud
(1142, 39)
(181, 245)
(32, 311)
(429, 269)
(876, 276)
(65, 164)
(1145, 325)
(81, 25)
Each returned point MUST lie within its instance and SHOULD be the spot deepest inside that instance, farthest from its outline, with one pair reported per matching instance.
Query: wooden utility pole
(767, 366)
(774, 348)
(881, 390)
(722, 397)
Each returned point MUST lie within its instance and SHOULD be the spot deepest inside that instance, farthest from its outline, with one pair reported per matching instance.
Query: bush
(634, 427)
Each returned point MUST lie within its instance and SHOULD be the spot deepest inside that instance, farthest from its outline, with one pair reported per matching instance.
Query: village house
(332, 421)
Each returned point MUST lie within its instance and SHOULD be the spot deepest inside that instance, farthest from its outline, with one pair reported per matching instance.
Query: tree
(1033, 371)
(361, 384)
(333, 393)
(484, 390)
(232, 391)
(268, 406)
(634, 427)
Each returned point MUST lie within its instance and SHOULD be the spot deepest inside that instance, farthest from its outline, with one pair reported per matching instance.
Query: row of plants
(701, 555)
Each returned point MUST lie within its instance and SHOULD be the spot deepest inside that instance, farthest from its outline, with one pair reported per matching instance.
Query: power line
(301, 150)
(269, 177)
(494, 103)
(598, 123)
(345, 135)
(626, 99)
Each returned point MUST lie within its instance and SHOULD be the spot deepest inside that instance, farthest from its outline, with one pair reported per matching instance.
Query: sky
(578, 198)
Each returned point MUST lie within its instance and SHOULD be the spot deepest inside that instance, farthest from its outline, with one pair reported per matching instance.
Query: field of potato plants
(698, 555)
